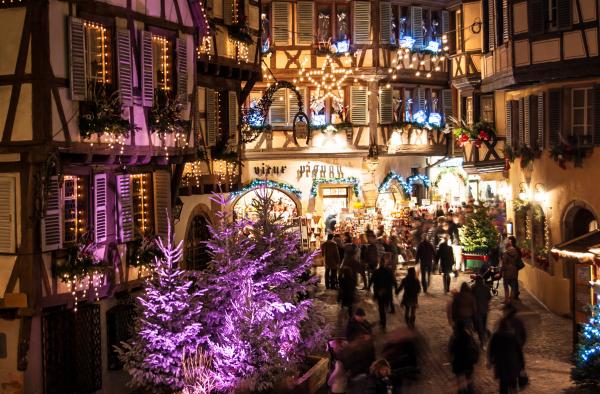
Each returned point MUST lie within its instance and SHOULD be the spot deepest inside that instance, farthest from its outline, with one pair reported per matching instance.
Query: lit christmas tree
(254, 312)
(587, 358)
(479, 234)
(167, 328)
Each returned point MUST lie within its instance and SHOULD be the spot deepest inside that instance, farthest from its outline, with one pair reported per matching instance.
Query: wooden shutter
(420, 101)
(447, 103)
(416, 25)
(491, 24)
(211, 118)
(234, 109)
(532, 107)
(281, 23)
(362, 22)
(509, 123)
(228, 12)
(124, 67)
(535, 11)
(182, 70)
(77, 64)
(162, 203)
(554, 116)
(277, 111)
(386, 112)
(596, 114)
(540, 121)
(563, 14)
(358, 105)
(445, 22)
(8, 228)
(385, 22)
(125, 206)
(52, 221)
(304, 22)
(521, 123)
(147, 69)
(293, 103)
(505, 21)
(525, 135)
(100, 208)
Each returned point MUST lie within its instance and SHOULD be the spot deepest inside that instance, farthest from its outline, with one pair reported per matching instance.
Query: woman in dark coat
(347, 283)
(410, 299)
(506, 353)
(464, 354)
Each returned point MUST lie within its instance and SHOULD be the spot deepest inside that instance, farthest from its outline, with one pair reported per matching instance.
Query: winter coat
(411, 288)
(425, 254)
(383, 282)
(356, 329)
(372, 256)
(352, 257)
(482, 295)
(509, 263)
(464, 352)
(506, 355)
(347, 281)
(445, 257)
(464, 307)
(358, 356)
(330, 252)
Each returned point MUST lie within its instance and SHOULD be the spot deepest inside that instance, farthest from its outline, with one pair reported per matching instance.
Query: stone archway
(578, 219)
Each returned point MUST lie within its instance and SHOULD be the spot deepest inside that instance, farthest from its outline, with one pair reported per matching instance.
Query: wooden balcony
(465, 69)
(489, 157)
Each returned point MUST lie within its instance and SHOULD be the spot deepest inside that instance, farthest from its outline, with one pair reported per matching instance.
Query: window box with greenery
(165, 117)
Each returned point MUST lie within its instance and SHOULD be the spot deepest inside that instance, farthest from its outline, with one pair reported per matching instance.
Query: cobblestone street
(547, 351)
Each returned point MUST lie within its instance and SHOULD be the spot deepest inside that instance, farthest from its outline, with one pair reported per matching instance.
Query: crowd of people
(372, 258)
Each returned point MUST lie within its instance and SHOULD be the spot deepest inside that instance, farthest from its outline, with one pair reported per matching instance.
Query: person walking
(464, 354)
(372, 254)
(506, 353)
(410, 299)
(358, 325)
(383, 283)
(331, 255)
(520, 265)
(464, 308)
(425, 256)
(363, 245)
(351, 254)
(483, 295)
(347, 281)
(445, 260)
(509, 271)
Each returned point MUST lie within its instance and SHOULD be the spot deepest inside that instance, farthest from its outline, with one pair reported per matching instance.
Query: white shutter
(420, 100)
(385, 22)
(358, 105)
(228, 12)
(509, 123)
(234, 109)
(304, 24)
(100, 208)
(182, 71)
(211, 118)
(52, 221)
(362, 22)
(525, 138)
(147, 69)
(293, 103)
(281, 23)
(8, 229)
(416, 25)
(125, 205)
(77, 63)
(386, 112)
(124, 71)
(447, 107)
(445, 22)
(277, 111)
(162, 203)
(540, 120)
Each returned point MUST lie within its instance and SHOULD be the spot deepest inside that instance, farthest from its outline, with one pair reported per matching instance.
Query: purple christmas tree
(168, 326)
(256, 307)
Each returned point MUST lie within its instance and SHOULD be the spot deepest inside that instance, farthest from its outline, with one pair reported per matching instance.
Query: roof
(583, 248)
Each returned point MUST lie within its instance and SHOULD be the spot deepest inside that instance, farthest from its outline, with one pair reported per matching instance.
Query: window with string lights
(74, 202)
(143, 206)
(162, 60)
(98, 56)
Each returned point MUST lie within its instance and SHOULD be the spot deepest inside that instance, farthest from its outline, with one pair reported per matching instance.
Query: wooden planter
(314, 378)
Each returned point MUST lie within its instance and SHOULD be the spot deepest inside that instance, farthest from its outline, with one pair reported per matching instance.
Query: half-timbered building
(102, 103)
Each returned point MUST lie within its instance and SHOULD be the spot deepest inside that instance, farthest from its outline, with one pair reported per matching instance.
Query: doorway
(579, 219)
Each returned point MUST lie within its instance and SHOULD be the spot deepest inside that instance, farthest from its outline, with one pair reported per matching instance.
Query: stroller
(491, 277)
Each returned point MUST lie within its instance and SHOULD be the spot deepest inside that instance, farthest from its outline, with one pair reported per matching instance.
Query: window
(487, 108)
(162, 60)
(342, 22)
(581, 115)
(141, 193)
(469, 111)
(97, 49)
(74, 208)
(196, 252)
(552, 13)
(324, 25)
(285, 106)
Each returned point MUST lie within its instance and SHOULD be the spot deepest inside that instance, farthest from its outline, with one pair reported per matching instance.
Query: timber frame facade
(59, 183)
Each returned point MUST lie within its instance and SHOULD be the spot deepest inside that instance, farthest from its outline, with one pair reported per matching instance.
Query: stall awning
(585, 247)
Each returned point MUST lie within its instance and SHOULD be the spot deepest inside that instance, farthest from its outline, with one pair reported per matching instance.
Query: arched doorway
(196, 254)
(285, 204)
(579, 219)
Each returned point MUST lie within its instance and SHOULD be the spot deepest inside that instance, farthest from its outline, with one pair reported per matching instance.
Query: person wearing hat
(358, 325)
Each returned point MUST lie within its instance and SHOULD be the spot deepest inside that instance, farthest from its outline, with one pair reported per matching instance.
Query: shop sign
(269, 170)
(320, 171)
